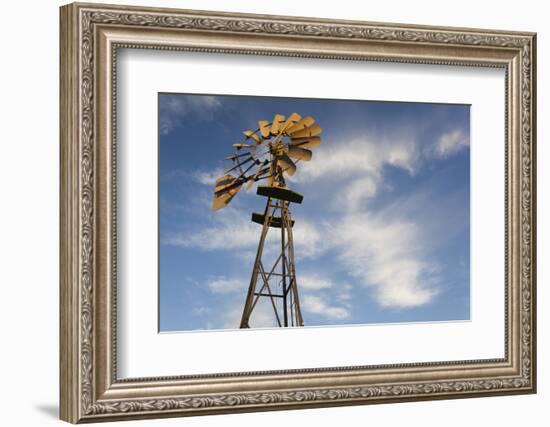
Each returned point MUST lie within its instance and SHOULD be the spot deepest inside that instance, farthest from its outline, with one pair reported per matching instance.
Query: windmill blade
(225, 183)
(302, 124)
(308, 132)
(222, 198)
(264, 128)
(292, 119)
(252, 135)
(299, 153)
(241, 145)
(228, 186)
(305, 142)
(287, 164)
(277, 124)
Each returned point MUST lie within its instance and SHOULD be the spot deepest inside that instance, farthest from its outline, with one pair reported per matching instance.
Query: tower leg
(297, 311)
(282, 206)
(249, 303)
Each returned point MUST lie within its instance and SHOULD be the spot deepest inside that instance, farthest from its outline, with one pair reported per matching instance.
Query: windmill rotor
(267, 153)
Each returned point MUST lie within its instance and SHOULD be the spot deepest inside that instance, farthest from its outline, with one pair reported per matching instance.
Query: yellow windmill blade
(222, 200)
(277, 124)
(302, 124)
(299, 153)
(308, 132)
(287, 165)
(264, 128)
(224, 191)
(305, 142)
(252, 135)
(292, 119)
(223, 182)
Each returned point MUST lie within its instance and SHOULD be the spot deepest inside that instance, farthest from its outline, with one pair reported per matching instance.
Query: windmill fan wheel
(267, 153)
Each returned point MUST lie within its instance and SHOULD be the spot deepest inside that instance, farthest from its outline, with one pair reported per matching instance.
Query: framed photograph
(268, 212)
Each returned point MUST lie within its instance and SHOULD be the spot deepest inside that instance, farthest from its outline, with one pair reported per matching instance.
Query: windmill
(267, 154)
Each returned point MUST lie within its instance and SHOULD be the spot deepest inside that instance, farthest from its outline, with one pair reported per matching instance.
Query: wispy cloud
(317, 296)
(232, 229)
(345, 293)
(174, 109)
(314, 282)
(318, 305)
(229, 230)
(385, 254)
(207, 177)
(225, 285)
(450, 143)
(366, 155)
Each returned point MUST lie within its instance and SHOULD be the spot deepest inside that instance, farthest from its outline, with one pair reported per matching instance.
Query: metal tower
(278, 281)
(270, 152)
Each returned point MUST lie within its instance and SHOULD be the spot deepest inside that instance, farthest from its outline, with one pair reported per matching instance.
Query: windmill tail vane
(267, 154)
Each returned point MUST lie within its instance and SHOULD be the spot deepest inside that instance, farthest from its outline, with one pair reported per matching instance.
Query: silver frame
(90, 37)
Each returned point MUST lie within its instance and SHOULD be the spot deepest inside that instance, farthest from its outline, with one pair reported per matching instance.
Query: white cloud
(207, 177)
(386, 254)
(451, 142)
(309, 241)
(357, 192)
(345, 294)
(318, 305)
(232, 229)
(174, 108)
(224, 285)
(358, 156)
(355, 166)
(313, 282)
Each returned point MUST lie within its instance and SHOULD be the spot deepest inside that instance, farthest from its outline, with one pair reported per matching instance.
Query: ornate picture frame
(90, 37)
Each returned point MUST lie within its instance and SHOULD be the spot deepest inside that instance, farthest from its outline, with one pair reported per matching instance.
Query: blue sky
(383, 233)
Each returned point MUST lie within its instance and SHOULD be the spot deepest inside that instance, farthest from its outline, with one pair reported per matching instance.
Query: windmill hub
(268, 153)
(279, 149)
